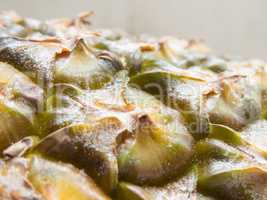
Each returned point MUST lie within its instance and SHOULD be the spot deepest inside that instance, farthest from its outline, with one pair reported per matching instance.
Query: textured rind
(98, 114)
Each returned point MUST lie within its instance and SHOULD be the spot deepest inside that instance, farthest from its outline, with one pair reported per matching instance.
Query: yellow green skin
(263, 86)
(238, 103)
(230, 101)
(183, 187)
(128, 191)
(264, 113)
(34, 58)
(69, 104)
(158, 147)
(62, 108)
(20, 99)
(229, 167)
(79, 148)
(83, 68)
(155, 156)
(225, 134)
(163, 85)
(55, 180)
(238, 140)
(35, 177)
(61, 111)
(13, 126)
(248, 184)
(88, 147)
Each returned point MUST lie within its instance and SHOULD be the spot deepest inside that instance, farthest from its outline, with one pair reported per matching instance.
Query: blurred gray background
(236, 27)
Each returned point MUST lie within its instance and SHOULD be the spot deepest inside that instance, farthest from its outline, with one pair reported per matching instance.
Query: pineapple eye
(84, 68)
(20, 100)
(89, 147)
(62, 181)
(155, 155)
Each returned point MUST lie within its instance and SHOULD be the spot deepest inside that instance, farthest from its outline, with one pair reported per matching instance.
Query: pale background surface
(237, 27)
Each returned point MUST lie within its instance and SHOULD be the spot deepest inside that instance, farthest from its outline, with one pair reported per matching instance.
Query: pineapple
(93, 114)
